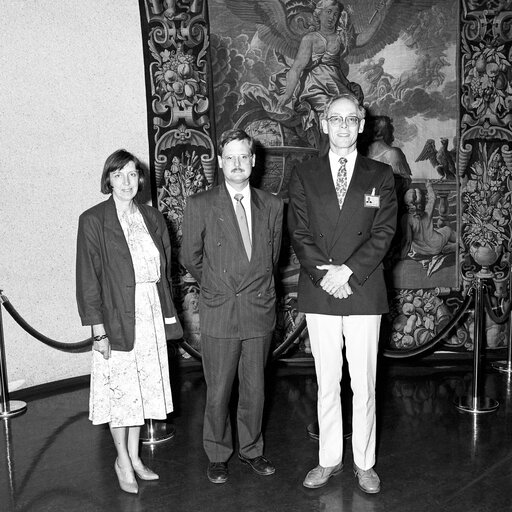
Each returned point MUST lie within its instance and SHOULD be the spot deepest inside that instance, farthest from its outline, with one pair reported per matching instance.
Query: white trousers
(360, 334)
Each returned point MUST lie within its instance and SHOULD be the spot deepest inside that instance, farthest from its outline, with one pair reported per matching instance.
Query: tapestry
(435, 78)
(274, 65)
(181, 132)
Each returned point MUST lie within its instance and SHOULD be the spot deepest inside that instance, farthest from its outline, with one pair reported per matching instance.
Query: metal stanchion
(156, 432)
(506, 366)
(8, 407)
(476, 403)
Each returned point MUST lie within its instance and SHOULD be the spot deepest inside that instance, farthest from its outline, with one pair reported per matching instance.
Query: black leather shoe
(217, 472)
(259, 465)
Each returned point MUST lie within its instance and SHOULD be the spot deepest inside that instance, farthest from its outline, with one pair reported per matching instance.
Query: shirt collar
(246, 192)
(334, 159)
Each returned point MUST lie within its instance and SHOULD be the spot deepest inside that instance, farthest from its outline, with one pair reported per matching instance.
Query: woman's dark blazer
(105, 279)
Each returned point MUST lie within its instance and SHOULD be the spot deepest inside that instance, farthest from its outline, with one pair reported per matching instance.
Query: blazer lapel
(223, 209)
(114, 232)
(326, 191)
(258, 230)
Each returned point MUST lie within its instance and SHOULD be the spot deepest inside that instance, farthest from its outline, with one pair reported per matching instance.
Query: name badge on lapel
(372, 200)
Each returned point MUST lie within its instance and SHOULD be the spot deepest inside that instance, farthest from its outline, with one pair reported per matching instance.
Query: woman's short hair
(117, 160)
(234, 134)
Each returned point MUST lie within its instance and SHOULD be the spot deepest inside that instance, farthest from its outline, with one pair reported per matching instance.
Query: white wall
(72, 91)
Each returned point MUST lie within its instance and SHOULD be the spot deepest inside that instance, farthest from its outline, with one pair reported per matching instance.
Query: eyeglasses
(230, 159)
(338, 121)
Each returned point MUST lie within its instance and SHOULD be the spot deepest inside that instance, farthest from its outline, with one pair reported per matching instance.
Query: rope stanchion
(80, 346)
(153, 432)
(476, 403)
(8, 407)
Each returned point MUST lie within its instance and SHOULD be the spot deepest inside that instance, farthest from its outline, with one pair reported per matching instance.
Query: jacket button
(321, 235)
(330, 260)
(218, 243)
(359, 233)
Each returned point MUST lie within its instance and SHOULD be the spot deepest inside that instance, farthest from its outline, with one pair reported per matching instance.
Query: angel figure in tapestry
(314, 42)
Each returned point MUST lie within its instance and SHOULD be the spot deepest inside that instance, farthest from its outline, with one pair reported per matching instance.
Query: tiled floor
(431, 457)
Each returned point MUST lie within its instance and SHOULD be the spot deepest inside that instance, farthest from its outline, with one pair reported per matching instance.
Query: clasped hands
(335, 282)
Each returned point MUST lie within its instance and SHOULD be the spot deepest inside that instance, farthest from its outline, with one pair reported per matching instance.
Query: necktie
(242, 223)
(341, 181)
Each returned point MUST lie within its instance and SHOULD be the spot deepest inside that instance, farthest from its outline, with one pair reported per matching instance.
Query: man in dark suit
(342, 217)
(231, 242)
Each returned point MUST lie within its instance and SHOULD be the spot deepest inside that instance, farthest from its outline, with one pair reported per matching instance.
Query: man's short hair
(234, 134)
(361, 111)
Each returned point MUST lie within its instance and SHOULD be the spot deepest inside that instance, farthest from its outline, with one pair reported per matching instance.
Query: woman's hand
(100, 340)
(102, 346)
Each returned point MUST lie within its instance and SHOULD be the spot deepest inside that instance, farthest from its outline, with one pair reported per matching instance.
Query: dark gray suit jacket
(358, 236)
(105, 279)
(238, 296)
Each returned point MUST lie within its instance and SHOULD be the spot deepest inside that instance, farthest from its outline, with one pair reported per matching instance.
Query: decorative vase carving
(485, 256)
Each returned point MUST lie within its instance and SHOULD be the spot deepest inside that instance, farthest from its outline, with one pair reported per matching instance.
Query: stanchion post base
(502, 366)
(15, 408)
(483, 404)
(155, 431)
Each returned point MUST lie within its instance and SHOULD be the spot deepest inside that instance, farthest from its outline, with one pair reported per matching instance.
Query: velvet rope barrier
(402, 354)
(80, 346)
(490, 309)
(301, 326)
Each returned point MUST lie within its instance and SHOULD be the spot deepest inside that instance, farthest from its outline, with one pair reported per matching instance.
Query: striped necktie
(341, 181)
(242, 223)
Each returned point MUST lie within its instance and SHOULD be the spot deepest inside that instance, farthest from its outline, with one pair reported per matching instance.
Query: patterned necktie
(341, 181)
(242, 223)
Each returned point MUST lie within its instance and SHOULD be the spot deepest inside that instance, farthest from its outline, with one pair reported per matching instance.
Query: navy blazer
(238, 296)
(359, 235)
(105, 279)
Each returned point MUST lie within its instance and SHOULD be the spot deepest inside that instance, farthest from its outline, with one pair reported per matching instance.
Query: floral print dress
(131, 386)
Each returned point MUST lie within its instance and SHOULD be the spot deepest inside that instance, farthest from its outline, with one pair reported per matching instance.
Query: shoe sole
(367, 491)
(217, 481)
(257, 472)
(312, 486)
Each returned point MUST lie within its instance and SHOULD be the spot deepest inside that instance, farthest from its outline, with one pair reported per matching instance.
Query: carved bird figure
(442, 159)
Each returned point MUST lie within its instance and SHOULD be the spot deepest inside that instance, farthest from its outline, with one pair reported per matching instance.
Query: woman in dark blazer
(123, 291)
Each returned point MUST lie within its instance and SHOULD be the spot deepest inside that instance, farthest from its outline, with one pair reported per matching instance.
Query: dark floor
(431, 457)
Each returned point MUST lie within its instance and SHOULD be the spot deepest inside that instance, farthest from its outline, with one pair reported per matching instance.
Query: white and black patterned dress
(133, 386)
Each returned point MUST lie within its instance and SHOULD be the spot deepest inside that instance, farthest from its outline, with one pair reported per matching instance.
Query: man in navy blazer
(342, 217)
(234, 261)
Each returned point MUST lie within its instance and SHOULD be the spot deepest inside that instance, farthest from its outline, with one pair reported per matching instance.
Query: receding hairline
(361, 111)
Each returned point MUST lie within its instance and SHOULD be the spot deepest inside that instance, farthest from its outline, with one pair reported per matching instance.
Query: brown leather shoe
(217, 472)
(259, 465)
(367, 479)
(319, 476)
